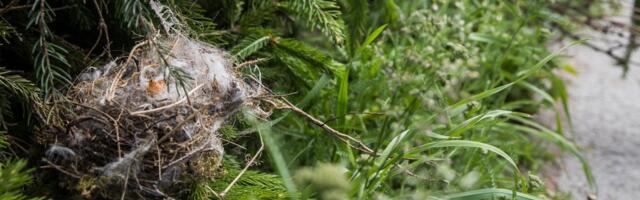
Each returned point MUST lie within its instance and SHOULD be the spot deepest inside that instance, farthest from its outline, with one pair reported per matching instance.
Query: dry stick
(253, 159)
(118, 136)
(168, 106)
(189, 155)
(126, 182)
(251, 62)
(60, 169)
(174, 130)
(116, 125)
(115, 122)
(341, 136)
(159, 163)
(410, 173)
(213, 191)
(7, 9)
(112, 89)
(103, 29)
(362, 147)
(95, 44)
(230, 142)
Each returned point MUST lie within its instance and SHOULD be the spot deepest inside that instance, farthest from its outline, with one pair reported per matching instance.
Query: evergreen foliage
(14, 175)
(25, 90)
(322, 14)
(49, 59)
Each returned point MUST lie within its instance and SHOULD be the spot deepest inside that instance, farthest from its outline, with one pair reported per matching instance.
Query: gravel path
(606, 115)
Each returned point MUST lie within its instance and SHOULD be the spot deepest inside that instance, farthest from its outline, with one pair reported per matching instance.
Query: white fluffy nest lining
(147, 124)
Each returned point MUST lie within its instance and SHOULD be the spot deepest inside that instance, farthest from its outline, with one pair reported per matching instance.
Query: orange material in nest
(155, 87)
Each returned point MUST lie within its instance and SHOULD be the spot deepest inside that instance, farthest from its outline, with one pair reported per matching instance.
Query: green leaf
(481, 37)
(373, 35)
(439, 136)
(475, 120)
(538, 91)
(343, 95)
(382, 164)
(465, 143)
(490, 193)
(264, 131)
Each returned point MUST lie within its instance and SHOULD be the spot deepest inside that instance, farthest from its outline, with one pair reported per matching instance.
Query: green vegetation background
(442, 91)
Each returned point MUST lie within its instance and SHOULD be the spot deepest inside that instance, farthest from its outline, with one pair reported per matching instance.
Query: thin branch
(246, 167)
(12, 8)
(105, 29)
(251, 62)
(60, 169)
(112, 89)
(344, 137)
(126, 182)
(283, 103)
(142, 112)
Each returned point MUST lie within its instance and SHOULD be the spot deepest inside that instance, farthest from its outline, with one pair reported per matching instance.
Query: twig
(230, 142)
(118, 135)
(246, 167)
(214, 192)
(102, 29)
(188, 155)
(112, 89)
(175, 129)
(159, 162)
(101, 112)
(10, 7)
(251, 62)
(168, 106)
(344, 137)
(341, 136)
(126, 182)
(60, 169)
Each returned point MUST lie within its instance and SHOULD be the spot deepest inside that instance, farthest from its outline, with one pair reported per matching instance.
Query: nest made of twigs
(145, 125)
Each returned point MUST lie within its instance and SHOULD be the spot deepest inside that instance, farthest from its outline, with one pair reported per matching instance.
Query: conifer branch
(325, 15)
(18, 85)
(249, 46)
(49, 61)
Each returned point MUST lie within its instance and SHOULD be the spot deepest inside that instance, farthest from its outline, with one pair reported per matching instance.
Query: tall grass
(442, 91)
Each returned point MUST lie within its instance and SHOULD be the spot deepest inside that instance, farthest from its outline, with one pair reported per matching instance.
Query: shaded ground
(606, 115)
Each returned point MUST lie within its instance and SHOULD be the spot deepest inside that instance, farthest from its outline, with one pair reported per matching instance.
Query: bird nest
(145, 125)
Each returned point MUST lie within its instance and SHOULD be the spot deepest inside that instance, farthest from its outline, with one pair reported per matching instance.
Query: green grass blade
(522, 75)
(473, 121)
(315, 90)
(549, 135)
(343, 95)
(546, 96)
(373, 35)
(490, 193)
(264, 130)
(466, 143)
(379, 172)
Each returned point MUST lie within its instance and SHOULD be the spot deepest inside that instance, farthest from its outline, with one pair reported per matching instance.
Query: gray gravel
(606, 115)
